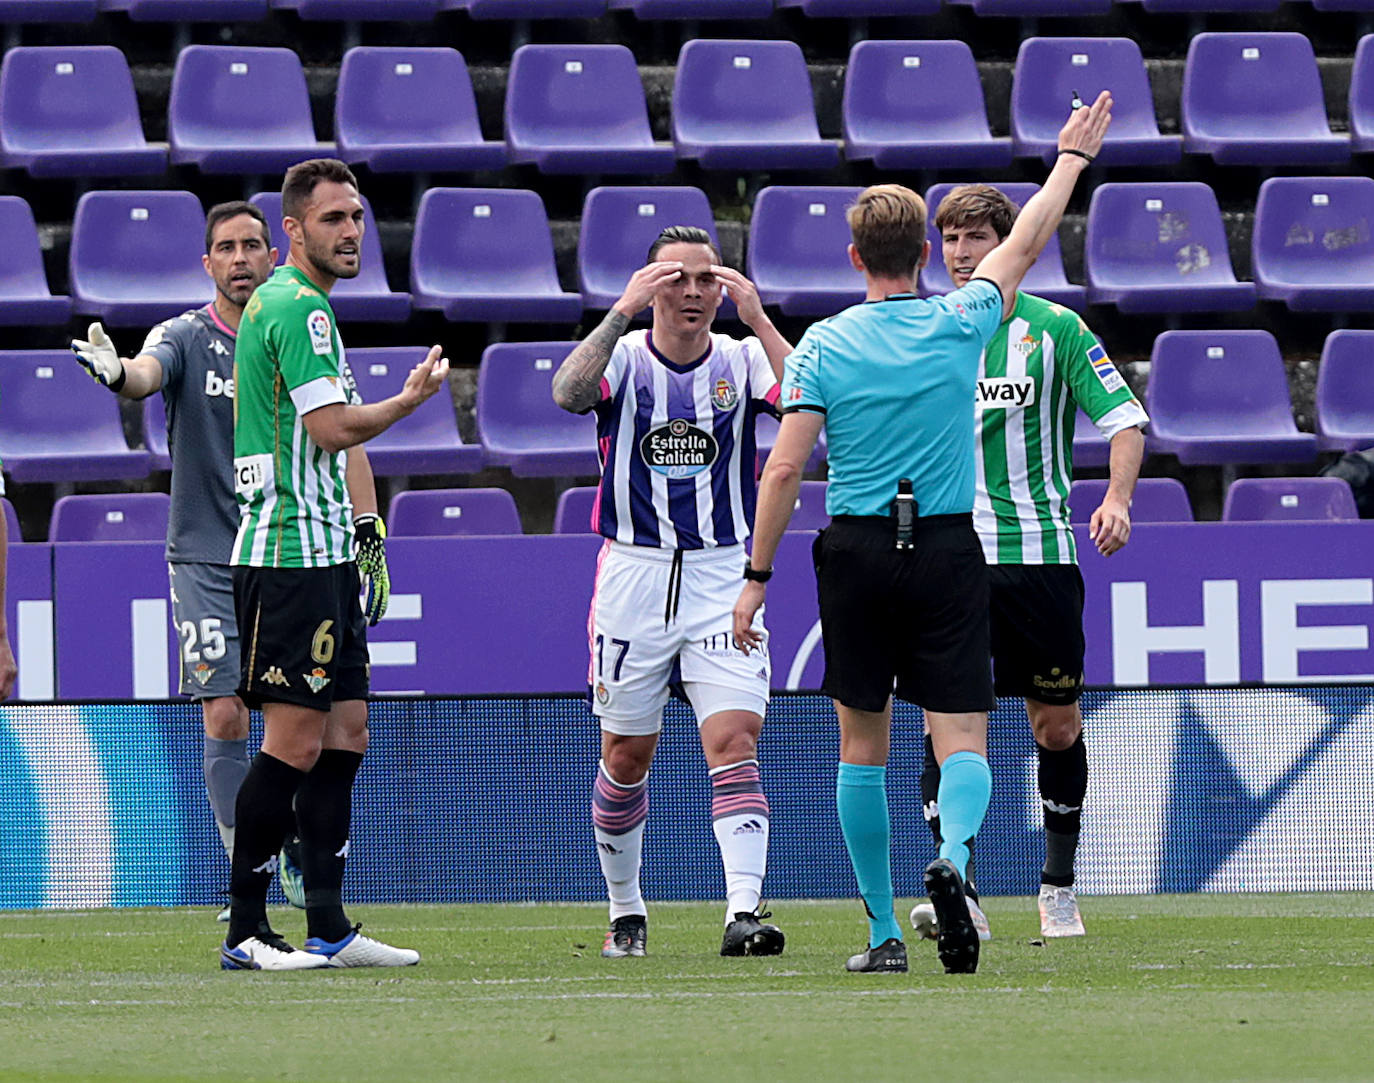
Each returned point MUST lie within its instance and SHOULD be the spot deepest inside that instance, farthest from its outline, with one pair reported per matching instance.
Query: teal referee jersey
(894, 379)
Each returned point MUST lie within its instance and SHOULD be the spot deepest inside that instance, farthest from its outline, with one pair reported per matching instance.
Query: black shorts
(302, 636)
(919, 616)
(1037, 631)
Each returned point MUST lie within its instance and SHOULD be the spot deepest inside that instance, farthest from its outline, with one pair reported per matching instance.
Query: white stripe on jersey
(1051, 441)
(667, 532)
(701, 403)
(1018, 468)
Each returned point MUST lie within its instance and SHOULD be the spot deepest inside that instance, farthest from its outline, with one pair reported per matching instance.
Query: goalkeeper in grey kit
(190, 359)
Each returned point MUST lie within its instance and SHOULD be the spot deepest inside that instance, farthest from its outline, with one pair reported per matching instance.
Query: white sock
(620, 860)
(743, 843)
(226, 836)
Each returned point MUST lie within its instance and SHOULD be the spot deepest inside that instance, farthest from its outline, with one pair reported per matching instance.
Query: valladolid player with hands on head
(1041, 366)
(296, 587)
(190, 359)
(901, 580)
(675, 408)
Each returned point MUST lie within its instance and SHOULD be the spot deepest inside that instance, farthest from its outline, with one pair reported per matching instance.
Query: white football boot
(927, 928)
(1059, 914)
(358, 950)
(267, 953)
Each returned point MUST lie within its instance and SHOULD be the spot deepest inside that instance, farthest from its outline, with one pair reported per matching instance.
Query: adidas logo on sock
(749, 827)
(607, 848)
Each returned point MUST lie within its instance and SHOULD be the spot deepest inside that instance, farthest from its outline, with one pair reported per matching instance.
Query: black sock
(324, 810)
(930, 791)
(1063, 778)
(263, 814)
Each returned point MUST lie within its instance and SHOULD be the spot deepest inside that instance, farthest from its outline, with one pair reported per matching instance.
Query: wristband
(757, 577)
(118, 381)
(1080, 153)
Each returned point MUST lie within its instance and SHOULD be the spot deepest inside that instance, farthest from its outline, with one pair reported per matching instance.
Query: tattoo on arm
(577, 383)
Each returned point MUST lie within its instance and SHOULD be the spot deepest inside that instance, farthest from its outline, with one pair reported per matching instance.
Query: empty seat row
(1165, 500)
(483, 254)
(737, 105)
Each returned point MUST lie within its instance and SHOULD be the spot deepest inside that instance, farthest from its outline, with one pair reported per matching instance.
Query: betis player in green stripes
(303, 658)
(1041, 366)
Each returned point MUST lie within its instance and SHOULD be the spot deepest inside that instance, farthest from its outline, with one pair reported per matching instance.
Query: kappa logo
(316, 679)
(274, 675)
(343, 853)
(1063, 810)
(724, 395)
(268, 867)
(202, 674)
(931, 811)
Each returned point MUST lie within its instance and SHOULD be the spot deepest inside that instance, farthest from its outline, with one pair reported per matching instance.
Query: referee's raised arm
(1080, 140)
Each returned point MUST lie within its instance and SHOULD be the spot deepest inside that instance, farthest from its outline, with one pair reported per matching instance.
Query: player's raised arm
(577, 383)
(338, 426)
(1080, 140)
(753, 316)
(136, 378)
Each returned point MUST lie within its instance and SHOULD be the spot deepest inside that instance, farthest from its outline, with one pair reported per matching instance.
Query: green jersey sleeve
(303, 338)
(1093, 380)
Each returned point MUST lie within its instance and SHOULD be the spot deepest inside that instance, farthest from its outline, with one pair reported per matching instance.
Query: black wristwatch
(758, 577)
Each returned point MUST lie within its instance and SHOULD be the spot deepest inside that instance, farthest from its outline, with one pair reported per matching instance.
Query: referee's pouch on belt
(904, 511)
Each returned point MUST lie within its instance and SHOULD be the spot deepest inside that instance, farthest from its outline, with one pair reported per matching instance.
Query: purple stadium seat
(335, 10)
(46, 11)
(619, 225)
(766, 435)
(1312, 247)
(1156, 500)
(1343, 5)
(574, 512)
(1089, 449)
(155, 432)
(13, 534)
(747, 105)
(1208, 6)
(1046, 276)
(236, 109)
(1345, 392)
(798, 250)
(521, 427)
(188, 10)
(527, 9)
(1160, 247)
(695, 9)
(487, 254)
(1256, 99)
(70, 111)
(1041, 7)
(918, 105)
(110, 517)
(1049, 71)
(861, 8)
(367, 297)
(400, 110)
(429, 513)
(1222, 397)
(1362, 95)
(1302, 499)
(24, 294)
(426, 442)
(136, 256)
(57, 424)
(580, 109)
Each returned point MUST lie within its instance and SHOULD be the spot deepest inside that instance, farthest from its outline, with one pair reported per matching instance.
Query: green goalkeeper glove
(370, 532)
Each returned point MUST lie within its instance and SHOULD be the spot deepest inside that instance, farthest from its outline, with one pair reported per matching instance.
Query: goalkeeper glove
(98, 357)
(370, 533)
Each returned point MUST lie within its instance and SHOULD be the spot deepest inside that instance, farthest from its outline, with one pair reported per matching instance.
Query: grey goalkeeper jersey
(196, 351)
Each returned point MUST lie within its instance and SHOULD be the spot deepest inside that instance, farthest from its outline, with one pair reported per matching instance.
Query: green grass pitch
(1208, 987)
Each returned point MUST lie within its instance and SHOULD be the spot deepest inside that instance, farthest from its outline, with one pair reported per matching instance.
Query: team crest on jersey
(316, 679)
(678, 449)
(603, 695)
(724, 394)
(202, 674)
(321, 334)
(1026, 346)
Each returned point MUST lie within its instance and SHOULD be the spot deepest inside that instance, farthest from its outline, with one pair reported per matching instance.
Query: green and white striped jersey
(294, 508)
(1042, 363)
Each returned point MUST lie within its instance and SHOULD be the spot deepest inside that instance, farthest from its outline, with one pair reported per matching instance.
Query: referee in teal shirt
(900, 576)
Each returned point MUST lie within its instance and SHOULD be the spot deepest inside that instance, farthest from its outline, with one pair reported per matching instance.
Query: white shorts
(639, 646)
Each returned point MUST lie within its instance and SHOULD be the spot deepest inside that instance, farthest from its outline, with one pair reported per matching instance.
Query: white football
(923, 921)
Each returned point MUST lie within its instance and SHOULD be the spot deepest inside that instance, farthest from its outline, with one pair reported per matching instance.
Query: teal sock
(965, 787)
(861, 800)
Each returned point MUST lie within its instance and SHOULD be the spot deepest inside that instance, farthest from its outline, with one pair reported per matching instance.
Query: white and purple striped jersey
(677, 443)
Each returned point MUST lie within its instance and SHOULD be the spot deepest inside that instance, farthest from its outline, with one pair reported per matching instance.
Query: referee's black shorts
(302, 636)
(916, 616)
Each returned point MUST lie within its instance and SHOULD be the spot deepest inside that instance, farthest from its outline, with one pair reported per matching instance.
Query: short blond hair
(888, 224)
(973, 204)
